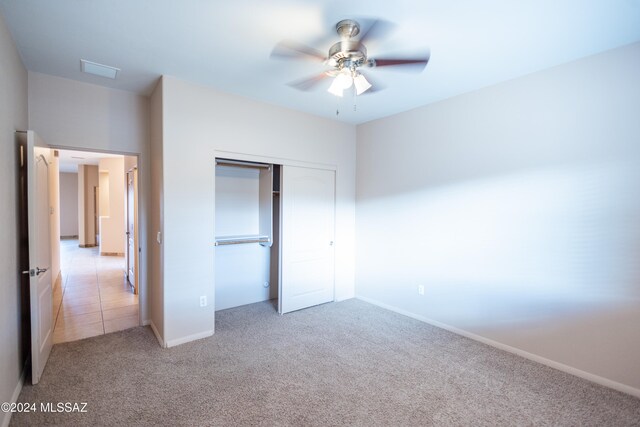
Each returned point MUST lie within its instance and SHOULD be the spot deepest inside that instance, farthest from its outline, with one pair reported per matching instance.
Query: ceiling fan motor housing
(348, 53)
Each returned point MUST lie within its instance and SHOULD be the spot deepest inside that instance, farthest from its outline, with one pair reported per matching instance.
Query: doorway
(98, 290)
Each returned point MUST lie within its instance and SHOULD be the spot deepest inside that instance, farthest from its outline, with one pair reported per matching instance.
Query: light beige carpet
(347, 363)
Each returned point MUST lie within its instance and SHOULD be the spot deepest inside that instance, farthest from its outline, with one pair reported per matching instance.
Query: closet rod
(241, 164)
(241, 241)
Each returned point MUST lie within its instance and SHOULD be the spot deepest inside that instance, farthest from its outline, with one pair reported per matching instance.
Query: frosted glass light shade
(336, 88)
(342, 82)
(361, 84)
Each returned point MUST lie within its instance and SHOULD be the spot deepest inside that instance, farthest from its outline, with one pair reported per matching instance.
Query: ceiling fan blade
(376, 29)
(409, 64)
(289, 49)
(308, 83)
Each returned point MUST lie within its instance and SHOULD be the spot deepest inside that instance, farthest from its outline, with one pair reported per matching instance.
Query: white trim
(149, 322)
(188, 338)
(14, 397)
(539, 359)
(58, 282)
(95, 150)
(344, 298)
(273, 160)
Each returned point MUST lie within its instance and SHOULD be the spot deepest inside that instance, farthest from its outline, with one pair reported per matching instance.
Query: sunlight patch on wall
(521, 247)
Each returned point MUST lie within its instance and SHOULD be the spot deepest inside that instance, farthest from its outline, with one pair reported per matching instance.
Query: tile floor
(94, 297)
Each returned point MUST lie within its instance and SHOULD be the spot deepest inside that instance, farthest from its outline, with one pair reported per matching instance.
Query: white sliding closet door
(307, 226)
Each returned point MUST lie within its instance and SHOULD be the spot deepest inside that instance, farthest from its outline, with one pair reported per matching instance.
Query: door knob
(35, 271)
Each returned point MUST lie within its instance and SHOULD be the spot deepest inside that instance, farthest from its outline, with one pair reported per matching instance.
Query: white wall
(71, 114)
(112, 226)
(68, 204)
(517, 207)
(197, 122)
(103, 193)
(13, 116)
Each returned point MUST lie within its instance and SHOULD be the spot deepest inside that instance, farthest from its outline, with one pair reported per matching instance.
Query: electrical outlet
(420, 289)
(203, 301)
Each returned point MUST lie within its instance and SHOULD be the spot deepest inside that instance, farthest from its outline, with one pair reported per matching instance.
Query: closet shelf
(237, 240)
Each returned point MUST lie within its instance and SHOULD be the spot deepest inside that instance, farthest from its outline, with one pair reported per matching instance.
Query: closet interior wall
(244, 219)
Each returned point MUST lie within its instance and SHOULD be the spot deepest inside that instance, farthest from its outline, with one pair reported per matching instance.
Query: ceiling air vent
(99, 69)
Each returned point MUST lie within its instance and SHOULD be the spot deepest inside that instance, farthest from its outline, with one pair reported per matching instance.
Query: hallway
(94, 297)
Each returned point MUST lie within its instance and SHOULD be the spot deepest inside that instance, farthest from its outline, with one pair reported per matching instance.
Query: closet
(274, 235)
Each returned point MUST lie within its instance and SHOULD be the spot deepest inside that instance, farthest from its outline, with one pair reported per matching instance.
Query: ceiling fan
(346, 59)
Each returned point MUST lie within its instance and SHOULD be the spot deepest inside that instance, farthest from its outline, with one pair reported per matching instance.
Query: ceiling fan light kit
(346, 58)
(347, 78)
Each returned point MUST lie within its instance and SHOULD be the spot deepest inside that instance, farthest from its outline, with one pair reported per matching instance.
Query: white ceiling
(227, 45)
(70, 159)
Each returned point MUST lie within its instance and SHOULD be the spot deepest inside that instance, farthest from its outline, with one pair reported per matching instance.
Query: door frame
(284, 162)
(142, 296)
(23, 255)
(136, 242)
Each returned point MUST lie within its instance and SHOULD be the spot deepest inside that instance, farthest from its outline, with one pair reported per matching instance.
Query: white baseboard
(344, 297)
(188, 338)
(177, 341)
(531, 356)
(14, 397)
(58, 282)
(149, 322)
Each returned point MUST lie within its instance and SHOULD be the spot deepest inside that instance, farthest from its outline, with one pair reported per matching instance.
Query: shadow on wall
(517, 249)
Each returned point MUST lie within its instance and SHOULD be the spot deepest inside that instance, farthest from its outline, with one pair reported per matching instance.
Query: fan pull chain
(355, 99)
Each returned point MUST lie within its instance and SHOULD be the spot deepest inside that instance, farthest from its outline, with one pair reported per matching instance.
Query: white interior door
(41, 292)
(307, 233)
(131, 232)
